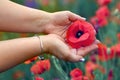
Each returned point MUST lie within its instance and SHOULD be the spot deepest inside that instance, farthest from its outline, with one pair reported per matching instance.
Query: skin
(23, 19)
(18, 18)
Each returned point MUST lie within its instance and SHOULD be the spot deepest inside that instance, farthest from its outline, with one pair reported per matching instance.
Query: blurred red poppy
(80, 34)
(93, 57)
(18, 74)
(35, 69)
(90, 67)
(45, 2)
(117, 47)
(110, 75)
(102, 52)
(77, 78)
(112, 52)
(118, 6)
(45, 64)
(118, 36)
(80, 78)
(94, 20)
(115, 51)
(85, 78)
(103, 2)
(76, 74)
(100, 21)
(103, 12)
(40, 67)
(30, 60)
(39, 78)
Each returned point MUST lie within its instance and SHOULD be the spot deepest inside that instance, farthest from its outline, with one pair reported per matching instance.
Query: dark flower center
(78, 34)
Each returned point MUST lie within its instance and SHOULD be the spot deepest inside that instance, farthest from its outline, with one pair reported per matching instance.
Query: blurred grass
(60, 69)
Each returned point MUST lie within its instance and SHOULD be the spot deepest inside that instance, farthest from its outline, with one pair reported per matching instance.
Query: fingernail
(82, 59)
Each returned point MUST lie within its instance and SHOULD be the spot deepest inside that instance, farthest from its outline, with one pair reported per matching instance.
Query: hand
(58, 22)
(56, 46)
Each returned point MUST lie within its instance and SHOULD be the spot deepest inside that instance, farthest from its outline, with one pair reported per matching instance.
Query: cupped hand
(56, 46)
(59, 21)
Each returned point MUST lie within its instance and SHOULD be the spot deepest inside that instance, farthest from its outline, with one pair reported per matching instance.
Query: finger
(63, 32)
(96, 41)
(84, 51)
(73, 17)
(72, 57)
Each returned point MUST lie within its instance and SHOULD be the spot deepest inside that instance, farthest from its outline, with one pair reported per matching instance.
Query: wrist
(42, 21)
(43, 43)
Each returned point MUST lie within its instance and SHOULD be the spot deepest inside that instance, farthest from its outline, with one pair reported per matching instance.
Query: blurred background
(103, 64)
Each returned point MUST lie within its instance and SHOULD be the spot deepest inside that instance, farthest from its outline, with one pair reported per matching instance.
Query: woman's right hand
(56, 46)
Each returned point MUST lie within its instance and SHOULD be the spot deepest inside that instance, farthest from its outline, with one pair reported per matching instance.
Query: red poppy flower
(118, 6)
(40, 67)
(93, 58)
(94, 20)
(77, 78)
(110, 75)
(102, 52)
(35, 69)
(101, 17)
(103, 2)
(30, 60)
(90, 67)
(76, 73)
(112, 52)
(115, 51)
(39, 78)
(45, 2)
(118, 36)
(80, 78)
(85, 78)
(45, 64)
(18, 74)
(80, 34)
(103, 12)
(100, 21)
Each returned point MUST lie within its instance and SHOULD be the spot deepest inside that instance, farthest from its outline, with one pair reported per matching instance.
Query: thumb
(73, 17)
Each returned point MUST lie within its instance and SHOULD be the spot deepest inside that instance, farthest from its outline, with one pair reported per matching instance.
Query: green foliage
(61, 69)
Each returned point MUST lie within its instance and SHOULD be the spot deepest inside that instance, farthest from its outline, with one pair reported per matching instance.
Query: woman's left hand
(58, 22)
